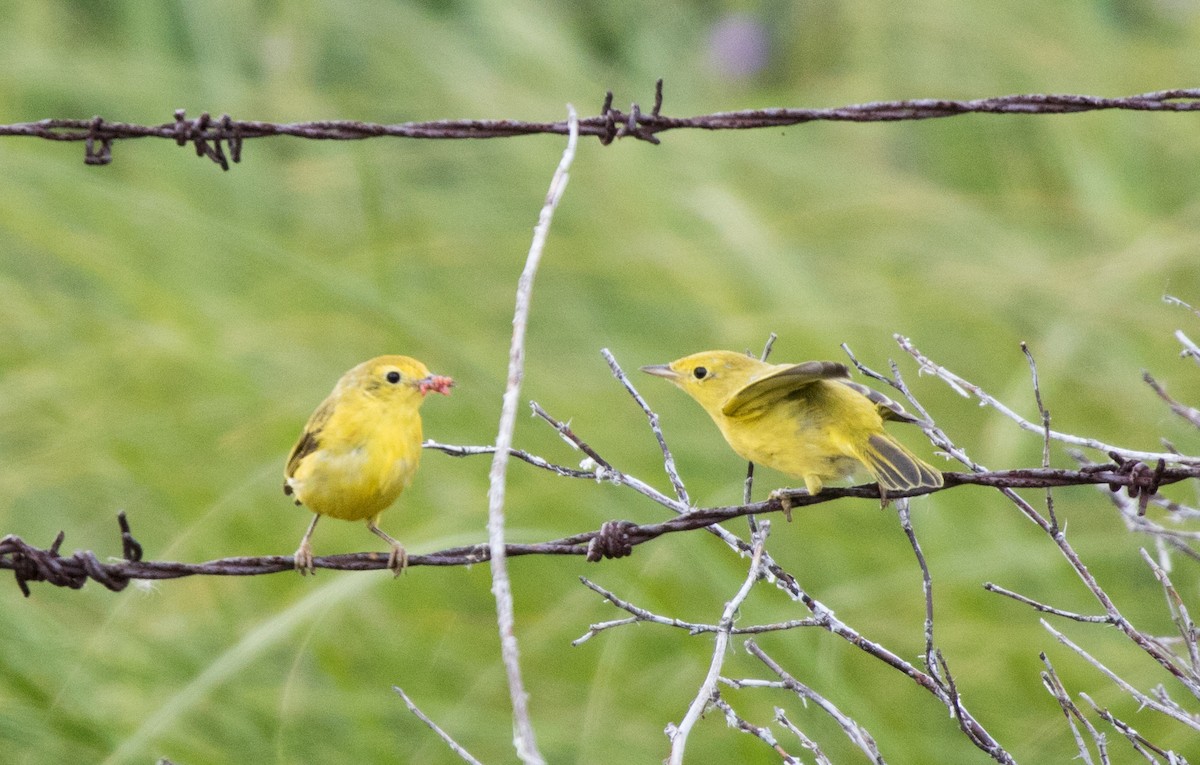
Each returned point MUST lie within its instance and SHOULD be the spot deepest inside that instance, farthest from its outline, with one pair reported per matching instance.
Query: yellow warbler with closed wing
(361, 448)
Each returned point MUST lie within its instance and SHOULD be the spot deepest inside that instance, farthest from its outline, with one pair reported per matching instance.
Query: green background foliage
(168, 328)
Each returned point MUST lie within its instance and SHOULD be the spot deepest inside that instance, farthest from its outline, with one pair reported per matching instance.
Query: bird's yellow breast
(367, 455)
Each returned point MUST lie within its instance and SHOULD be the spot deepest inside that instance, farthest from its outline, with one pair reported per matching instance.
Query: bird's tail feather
(895, 467)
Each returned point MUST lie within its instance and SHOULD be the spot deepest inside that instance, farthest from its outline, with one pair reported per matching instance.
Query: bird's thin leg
(398, 559)
(304, 556)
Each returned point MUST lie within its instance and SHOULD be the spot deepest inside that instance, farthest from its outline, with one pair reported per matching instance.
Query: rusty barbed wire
(614, 539)
(221, 139)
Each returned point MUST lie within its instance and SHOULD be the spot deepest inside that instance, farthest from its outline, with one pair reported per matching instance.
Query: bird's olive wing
(310, 440)
(781, 381)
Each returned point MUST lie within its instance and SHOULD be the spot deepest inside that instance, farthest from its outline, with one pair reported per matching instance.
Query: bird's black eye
(393, 376)
(700, 373)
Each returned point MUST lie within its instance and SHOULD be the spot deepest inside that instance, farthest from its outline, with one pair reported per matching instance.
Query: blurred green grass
(168, 327)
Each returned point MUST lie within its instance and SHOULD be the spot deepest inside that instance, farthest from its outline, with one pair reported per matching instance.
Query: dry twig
(455, 747)
(735, 721)
(708, 689)
(968, 389)
(855, 732)
(524, 737)
(1139, 743)
(693, 628)
(1168, 707)
(1056, 689)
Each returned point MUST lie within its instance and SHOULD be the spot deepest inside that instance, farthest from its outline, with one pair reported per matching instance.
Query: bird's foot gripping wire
(398, 558)
(784, 498)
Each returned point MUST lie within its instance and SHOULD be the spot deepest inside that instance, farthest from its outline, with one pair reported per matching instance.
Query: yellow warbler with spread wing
(808, 420)
(361, 448)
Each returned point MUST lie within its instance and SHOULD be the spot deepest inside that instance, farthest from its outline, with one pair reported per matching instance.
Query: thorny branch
(708, 689)
(967, 389)
(1131, 465)
(1136, 740)
(693, 628)
(1075, 718)
(805, 741)
(855, 732)
(455, 747)
(1167, 707)
(1183, 668)
(221, 139)
(734, 720)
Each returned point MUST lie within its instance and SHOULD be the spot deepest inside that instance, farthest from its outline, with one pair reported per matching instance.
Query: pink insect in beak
(436, 383)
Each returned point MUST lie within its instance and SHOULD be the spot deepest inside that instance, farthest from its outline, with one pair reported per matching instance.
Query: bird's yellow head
(393, 377)
(710, 377)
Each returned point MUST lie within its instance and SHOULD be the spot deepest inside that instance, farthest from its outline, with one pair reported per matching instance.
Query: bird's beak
(661, 370)
(435, 383)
